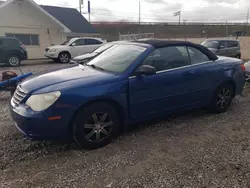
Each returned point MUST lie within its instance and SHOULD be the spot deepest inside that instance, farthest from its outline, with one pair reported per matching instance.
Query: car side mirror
(73, 44)
(145, 70)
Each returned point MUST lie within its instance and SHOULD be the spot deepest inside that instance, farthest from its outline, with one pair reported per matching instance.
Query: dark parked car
(224, 47)
(128, 83)
(12, 51)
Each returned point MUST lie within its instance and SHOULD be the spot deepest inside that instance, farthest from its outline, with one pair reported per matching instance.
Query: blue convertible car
(128, 83)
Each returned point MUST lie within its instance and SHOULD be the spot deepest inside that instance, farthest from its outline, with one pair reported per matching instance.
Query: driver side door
(168, 90)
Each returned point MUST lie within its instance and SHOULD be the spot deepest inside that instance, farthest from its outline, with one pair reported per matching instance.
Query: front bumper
(51, 55)
(36, 126)
(24, 56)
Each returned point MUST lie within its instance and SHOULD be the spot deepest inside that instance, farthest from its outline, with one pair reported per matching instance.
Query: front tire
(13, 60)
(64, 57)
(222, 98)
(95, 126)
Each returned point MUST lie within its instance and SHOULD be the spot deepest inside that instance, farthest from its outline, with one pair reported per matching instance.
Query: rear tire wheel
(95, 126)
(13, 60)
(222, 98)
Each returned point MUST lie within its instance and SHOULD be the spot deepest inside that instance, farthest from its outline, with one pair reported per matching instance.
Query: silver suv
(223, 47)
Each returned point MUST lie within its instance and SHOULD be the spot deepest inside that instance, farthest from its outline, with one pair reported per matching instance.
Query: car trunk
(228, 61)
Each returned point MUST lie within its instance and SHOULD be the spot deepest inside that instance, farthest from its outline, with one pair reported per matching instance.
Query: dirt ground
(196, 149)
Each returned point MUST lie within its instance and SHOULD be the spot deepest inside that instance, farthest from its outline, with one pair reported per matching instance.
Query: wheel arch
(112, 102)
(16, 53)
(65, 51)
(230, 82)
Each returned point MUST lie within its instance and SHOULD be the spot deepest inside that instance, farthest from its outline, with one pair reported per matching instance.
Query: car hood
(83, 74)
(57, 47)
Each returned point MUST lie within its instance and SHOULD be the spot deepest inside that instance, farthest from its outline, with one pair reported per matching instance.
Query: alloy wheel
(64, 58)
(224, 98)
(13, 61)
(98, 127)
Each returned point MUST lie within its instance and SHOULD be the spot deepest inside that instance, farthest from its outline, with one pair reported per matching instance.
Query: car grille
(19, 95)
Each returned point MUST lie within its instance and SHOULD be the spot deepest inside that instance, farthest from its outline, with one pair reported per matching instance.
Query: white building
(38, 26)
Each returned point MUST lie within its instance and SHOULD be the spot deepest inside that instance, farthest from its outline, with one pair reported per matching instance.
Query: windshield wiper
(95, 67)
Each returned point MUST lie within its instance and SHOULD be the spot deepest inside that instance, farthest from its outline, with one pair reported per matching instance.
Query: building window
(26, 39)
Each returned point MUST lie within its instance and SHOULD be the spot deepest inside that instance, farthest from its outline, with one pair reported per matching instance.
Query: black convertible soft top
(165, 43)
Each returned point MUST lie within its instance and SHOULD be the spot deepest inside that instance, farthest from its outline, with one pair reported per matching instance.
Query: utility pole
(180, 18)
(139, 12)
(226, 29)
(80, 6)
(89, 9)
(178, 14)
(247, 16)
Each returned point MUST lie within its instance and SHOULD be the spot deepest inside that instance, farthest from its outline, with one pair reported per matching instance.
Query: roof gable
(71, 18)
(5, 3)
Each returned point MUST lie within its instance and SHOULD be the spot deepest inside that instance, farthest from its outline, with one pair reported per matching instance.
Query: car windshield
(210, 44)
(117, 58)
(102, 48)
(67, 42)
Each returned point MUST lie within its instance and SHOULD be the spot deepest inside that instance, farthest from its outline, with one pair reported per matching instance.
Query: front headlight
(41, 102)
(52, 50)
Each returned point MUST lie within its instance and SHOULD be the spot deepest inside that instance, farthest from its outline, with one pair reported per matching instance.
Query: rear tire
(95, 126)
(222, 98)
(13, 60)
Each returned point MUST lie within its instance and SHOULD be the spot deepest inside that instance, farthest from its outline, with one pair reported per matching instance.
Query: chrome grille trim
(19, 95)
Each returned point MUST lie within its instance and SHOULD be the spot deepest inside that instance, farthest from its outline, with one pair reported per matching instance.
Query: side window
(168, 58)
(197, 56)
(232, 44)
(223, 44)
(92, 42)
(79, 42)
(12, 42)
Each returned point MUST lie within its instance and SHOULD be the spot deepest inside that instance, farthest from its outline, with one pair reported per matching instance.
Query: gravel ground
(197, 149)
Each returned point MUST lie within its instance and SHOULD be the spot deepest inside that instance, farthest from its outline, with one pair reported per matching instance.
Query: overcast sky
(161, 10)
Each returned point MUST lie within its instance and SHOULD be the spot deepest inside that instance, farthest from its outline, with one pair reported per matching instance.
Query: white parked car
(72, 48)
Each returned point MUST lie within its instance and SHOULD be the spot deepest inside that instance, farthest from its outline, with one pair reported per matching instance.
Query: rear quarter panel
(232, 71)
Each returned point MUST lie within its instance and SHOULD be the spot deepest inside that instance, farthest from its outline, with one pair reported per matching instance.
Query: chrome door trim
(169, 70)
